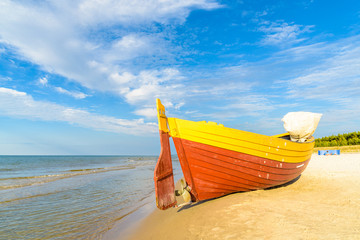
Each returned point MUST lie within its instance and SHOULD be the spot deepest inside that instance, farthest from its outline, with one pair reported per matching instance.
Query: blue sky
(81, 77)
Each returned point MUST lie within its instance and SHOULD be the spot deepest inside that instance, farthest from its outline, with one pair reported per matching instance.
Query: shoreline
(128, 225)
(323, 203)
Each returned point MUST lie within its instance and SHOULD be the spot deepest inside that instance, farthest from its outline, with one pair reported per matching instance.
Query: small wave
(27, 197)
(42, 179)
(34, 177)
(5, 169)
(88, 169)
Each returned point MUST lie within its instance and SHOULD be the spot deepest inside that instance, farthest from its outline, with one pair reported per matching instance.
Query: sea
(73, 197)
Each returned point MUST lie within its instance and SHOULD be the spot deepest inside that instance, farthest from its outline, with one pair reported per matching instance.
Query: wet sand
(323, 203)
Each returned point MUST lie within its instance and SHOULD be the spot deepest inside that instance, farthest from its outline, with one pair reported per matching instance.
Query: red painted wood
(214, 172)
(163, 175)
(186, 169)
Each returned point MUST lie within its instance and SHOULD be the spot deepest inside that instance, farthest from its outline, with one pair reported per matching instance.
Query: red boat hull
(213, 172)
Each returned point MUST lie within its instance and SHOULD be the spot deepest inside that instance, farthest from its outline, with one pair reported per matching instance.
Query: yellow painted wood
(241, 141)
(162, 119)
(281, 135)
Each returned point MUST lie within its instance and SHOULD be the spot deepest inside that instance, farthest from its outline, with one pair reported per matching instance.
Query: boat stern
(163, 173)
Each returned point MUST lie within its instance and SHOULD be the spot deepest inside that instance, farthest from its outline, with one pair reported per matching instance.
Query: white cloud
(21, 105)
(5, 79)
(302, 78)
(280, 33)
(77, 95)
(123, 78)
(147, 112)
(335, 79)
(144, 46)
(43, 81)
(152, 85)
(65, 38)
(250, 104)
(135, 11)
(11, 92)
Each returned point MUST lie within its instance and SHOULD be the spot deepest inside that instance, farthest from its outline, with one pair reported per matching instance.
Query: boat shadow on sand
(194, 204)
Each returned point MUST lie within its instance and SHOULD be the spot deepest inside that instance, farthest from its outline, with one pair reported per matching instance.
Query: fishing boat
(217, 160)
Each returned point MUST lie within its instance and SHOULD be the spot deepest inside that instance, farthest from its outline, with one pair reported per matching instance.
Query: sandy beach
(323, 203)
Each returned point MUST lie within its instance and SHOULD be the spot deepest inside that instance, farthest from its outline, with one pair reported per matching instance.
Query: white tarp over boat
(301, 125)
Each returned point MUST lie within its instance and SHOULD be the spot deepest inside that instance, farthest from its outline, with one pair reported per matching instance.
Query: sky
(82, 77)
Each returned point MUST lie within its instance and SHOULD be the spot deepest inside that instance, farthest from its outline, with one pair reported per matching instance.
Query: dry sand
(324, 203)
